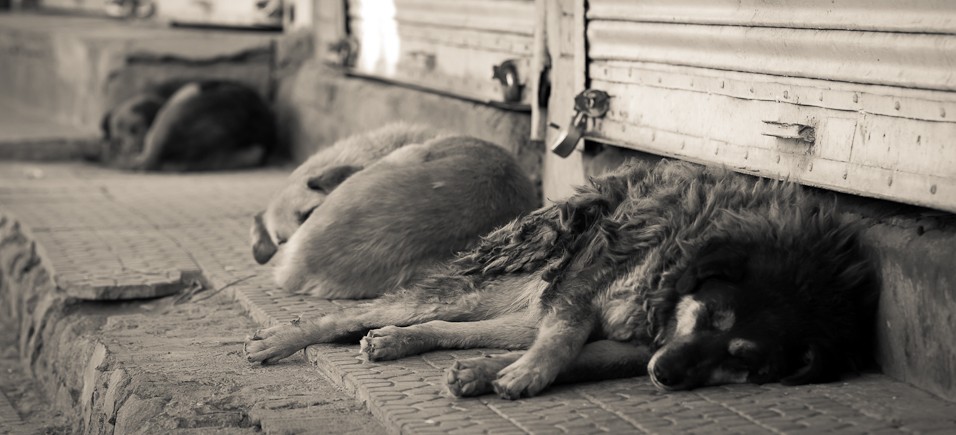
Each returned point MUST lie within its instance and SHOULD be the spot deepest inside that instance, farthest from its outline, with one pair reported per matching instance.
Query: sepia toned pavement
(174, 364)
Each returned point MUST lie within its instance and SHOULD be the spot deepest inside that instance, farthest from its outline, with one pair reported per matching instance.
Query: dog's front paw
(270, 345)
(391, 342)
(473, 377)
(524, 378)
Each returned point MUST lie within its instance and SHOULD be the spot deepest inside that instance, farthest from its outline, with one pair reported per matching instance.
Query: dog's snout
(665, 377)
(262, 246)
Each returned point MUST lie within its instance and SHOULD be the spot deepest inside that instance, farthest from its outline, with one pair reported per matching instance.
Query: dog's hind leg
(599, 360)
(275, 343)
(512, 331)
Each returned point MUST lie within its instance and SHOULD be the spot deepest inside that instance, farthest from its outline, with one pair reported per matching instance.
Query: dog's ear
(105, 124)
(715, 261)
(818, 367)
(147, 111)
(262, 246)
(329, 179)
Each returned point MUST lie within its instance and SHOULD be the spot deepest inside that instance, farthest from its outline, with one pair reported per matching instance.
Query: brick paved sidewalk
(108, 233)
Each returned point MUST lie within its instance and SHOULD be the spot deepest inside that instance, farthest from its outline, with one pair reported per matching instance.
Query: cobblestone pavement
(108, 234)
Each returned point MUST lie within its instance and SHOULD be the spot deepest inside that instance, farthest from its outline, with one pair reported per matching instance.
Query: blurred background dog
(189, 126)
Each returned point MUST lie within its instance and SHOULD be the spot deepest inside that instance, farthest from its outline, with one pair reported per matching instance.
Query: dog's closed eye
(302, 216)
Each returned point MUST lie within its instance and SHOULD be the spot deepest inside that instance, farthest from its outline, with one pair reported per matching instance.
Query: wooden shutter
(233, 13)
(446, 46)
(853, 95)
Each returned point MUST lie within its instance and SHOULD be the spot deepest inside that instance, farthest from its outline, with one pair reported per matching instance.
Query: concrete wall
(72, 73)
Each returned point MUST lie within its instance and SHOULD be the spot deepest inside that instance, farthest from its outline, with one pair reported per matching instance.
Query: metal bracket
(789, 130)
(507, 74)
(592, 102)
(344, 51)
(426, 59)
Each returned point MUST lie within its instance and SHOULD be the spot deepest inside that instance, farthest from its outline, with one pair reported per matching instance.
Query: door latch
(591, 103)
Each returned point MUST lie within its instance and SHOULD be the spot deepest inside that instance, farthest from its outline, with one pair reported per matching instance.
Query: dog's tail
(548, 237)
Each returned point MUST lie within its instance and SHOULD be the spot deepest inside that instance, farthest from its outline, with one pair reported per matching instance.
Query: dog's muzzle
(263, 249)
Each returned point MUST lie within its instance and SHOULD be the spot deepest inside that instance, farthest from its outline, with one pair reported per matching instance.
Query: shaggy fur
(308, 186)
(418, 205)
(697, 276)
(201, 125)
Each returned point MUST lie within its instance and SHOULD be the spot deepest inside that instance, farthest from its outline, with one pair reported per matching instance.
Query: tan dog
(417, 206)
(314, 179)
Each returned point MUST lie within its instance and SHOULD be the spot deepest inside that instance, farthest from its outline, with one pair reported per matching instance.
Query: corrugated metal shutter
(851, 95)
(446, 46)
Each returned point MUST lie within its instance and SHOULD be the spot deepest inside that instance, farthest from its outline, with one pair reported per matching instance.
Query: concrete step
(71, 69)
(26, 135)
(79, 232)
(24, 409)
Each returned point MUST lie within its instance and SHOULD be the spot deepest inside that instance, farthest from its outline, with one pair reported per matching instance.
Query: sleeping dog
(310, 183)
(695, 276)
(191, 125)
(382, 226)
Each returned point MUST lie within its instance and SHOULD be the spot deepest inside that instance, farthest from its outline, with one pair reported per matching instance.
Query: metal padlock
(590, 103)
(569, 138)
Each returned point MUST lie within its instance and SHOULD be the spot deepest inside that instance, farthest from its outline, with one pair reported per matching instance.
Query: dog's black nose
(664, 378)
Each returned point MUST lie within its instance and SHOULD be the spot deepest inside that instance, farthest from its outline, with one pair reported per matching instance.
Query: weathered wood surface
(702, 116)
(808, 90)
(564, 33)
(922, 16)
(923, 61)
(218, 12)
(500, 16)
(540, 65)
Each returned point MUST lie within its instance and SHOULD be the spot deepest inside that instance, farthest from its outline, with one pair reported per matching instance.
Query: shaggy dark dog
(187, 126)
(695, 276)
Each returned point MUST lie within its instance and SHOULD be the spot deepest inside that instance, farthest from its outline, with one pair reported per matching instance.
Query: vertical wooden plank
(540, 62)
(580, 46)
(331, 26)
(298, 14)
(560, 175)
